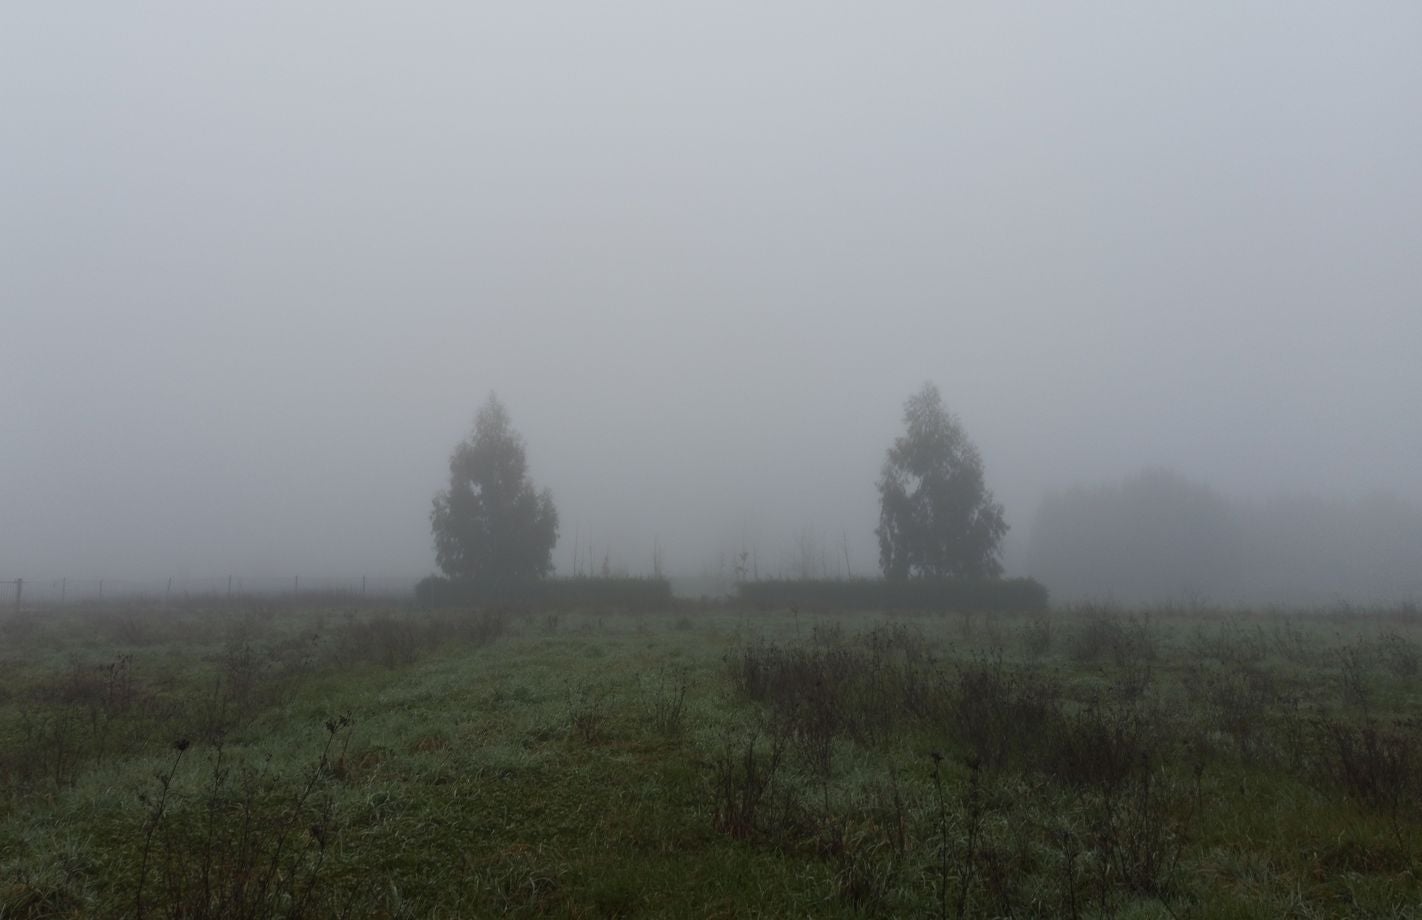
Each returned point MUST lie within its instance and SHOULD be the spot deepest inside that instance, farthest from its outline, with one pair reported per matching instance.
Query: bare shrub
(244, 672)
(744, 775)
(250, 844)
(296, 655)
(1238, 699)
(477, 629)
(1354, 678)
(1399, 655)
(1380, 766)
(663, 700)
(827, 635)
(49, 747)
(1135, 678)
(381, 639)
(751, 668)
(1233, 644)
(81, 716)
(829, 690)
(1104, 634)
(130, 627)
(1103, 745)
(588, 712)
(1139, 833)
(1292, 643)
(1037, 636)
(1000, 716)
(395, 640)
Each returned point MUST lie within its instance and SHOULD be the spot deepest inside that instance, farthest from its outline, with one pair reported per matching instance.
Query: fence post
(296, 584)
(19, 591)
(362, 586)
(168, 590)
(101, 589)
(229, 585)
(63, 587)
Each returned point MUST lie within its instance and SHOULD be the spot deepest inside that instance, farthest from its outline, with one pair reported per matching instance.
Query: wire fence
(26, 592)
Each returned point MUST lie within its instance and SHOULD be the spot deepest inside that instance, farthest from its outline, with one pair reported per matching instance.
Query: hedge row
(546, 594)
(1014, 594)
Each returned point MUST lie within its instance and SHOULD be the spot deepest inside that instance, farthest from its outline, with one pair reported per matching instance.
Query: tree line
(1159, 537)
(937, 517)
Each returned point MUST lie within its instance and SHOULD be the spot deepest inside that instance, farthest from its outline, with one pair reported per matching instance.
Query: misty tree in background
(491, 522)
(936, 516)
(1155, 536)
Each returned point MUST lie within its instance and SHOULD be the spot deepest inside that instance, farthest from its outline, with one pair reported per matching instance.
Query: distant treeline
(579, 593)
(1158, 537)
(993, 594)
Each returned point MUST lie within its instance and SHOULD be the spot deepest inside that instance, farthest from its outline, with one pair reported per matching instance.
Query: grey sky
(260, 263)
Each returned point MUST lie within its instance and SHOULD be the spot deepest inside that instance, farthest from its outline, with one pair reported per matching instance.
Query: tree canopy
(491, 521)
(936, 515)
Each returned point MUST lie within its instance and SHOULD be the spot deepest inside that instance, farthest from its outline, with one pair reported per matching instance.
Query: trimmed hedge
(546, 594)
(995, 594)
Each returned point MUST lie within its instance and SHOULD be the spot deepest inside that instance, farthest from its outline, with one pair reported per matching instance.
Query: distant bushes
(630, 594)
(1015, 594)
(1158, 537)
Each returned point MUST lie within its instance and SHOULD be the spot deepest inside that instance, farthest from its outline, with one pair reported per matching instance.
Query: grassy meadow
(262, 759)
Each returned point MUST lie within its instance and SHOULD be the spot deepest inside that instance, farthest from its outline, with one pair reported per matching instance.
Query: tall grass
(1084, 762)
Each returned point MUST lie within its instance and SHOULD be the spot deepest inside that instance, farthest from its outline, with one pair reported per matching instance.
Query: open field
(258, 760)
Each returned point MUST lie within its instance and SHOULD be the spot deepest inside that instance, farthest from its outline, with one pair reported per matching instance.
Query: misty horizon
(259, 268)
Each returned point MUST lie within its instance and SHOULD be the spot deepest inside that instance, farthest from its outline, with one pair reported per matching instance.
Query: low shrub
(927, 594)
(1001, 716)
(1377, 765)
(248, 843)
(664, 700)
(861, 688)
(743, 777)
(399, 638)
(549, 594)
(1104, 634)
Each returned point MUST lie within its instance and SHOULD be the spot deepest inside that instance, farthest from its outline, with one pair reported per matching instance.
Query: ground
(263, 759)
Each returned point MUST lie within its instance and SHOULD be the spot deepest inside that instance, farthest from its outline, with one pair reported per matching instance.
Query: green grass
(579, 764)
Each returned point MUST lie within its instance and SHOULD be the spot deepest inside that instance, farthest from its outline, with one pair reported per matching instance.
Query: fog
(260, 264)
(1157, 537)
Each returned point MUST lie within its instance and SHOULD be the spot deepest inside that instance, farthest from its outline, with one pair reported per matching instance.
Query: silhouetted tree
(936, 516)
(491, 522)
